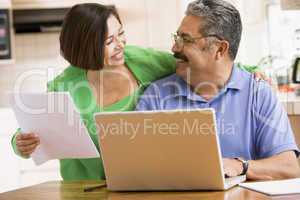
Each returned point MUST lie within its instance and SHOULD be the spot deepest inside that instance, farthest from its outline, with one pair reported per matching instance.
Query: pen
(91, 188)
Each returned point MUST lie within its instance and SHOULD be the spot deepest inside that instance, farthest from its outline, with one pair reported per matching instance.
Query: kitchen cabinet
(41, 4)
(6, 34)
(291, 103)
(295, 122)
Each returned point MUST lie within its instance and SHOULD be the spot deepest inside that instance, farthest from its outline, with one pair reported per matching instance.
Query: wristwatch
(245, 164)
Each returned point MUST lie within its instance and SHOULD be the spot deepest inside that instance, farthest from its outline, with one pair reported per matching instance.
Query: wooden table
(74, 191)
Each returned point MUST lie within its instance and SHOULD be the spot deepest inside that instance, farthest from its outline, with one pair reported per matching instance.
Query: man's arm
(282, 166)
(275, 145)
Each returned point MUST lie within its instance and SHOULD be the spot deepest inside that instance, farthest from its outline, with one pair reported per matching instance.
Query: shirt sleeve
(149, 64)
(274, 134)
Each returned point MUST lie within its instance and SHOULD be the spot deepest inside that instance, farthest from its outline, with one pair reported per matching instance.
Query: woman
(105, 75)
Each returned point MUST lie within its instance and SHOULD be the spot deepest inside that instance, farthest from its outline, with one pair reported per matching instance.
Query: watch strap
(245, 165)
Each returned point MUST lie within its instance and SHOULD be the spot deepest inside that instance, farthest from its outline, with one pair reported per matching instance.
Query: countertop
(74, 191)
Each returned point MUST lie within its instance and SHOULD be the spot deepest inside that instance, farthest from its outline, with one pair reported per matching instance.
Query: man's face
(192, 56)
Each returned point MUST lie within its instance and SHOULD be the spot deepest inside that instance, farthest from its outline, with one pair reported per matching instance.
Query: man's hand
(232, 167)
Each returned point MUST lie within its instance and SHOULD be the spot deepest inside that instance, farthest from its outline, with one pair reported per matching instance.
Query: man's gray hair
(221, 19)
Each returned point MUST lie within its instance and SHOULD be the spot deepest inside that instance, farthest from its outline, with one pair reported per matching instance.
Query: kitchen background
(271, 39)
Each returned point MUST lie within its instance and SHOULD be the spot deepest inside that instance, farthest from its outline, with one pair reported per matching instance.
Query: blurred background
(30, 55)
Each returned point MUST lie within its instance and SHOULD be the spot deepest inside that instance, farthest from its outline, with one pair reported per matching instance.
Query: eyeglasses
(181, 40)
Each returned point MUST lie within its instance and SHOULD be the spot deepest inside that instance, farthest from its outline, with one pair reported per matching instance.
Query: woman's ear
(222, 49)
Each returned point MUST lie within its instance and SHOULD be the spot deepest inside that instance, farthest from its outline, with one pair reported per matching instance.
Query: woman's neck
(111, 84)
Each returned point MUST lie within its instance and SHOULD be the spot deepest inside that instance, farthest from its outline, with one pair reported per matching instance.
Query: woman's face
(114, 43)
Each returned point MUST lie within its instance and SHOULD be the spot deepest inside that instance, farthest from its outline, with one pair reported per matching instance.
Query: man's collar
(235, 83)
(235, 80)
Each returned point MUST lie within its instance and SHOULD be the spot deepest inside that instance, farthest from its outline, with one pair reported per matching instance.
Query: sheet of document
(53, 117)
(282, 187)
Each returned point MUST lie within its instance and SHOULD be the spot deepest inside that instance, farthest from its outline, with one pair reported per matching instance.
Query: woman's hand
(27, 143)
(261, 76)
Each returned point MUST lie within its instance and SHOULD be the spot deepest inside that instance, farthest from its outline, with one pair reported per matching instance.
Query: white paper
(282, 187)
(53, 117)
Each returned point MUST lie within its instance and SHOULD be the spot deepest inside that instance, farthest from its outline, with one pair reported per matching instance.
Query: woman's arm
(151, 64)
(249, 68)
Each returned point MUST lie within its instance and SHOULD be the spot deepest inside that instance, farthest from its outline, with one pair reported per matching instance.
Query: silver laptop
(162, 150)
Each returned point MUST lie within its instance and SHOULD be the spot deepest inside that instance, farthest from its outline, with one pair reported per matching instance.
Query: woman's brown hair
(83, 34)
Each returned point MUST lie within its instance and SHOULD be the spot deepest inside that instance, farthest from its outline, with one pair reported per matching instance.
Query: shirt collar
(235, 83)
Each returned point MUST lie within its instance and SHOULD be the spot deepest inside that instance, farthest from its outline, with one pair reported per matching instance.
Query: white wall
(146, 24)
(254, 43)
(4, 4)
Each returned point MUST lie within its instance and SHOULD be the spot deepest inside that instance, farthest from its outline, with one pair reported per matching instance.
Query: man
(255, 134)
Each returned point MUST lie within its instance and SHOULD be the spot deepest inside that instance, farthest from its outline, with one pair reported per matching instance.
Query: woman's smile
(118, 55)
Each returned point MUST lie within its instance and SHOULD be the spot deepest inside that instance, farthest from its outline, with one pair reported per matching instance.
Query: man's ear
(222, 49)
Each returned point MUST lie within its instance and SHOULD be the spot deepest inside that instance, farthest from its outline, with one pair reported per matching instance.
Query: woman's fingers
(27, 139)
(26, 136)
(261, 76)
(28, 153)
(28, 148)
(27, 142)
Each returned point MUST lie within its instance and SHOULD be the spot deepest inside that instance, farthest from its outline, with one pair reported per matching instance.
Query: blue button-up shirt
(251, 122)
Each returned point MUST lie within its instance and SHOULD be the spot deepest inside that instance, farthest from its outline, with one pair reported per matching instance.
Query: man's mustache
(181, 56)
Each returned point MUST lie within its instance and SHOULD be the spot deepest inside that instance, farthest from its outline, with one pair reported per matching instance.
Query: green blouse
(147, 65)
